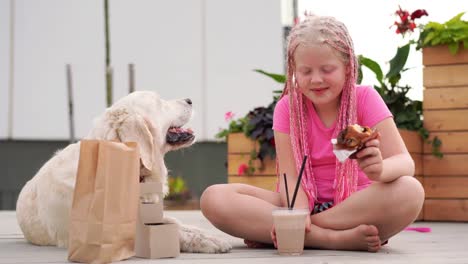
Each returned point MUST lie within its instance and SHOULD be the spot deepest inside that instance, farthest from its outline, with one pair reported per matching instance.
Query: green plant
(235, 126)
(407, 112)
(260, 126)
(452, 33)
(178, 190)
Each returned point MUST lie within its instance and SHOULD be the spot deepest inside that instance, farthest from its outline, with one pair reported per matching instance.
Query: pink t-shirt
(371, 109)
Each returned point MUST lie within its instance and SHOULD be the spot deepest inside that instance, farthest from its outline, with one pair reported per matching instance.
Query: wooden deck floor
(447, 243)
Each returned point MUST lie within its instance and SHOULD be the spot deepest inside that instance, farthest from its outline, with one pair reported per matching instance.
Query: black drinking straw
(298, 181)
(287, 192)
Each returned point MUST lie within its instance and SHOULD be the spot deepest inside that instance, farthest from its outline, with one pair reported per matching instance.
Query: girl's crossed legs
(360, 222)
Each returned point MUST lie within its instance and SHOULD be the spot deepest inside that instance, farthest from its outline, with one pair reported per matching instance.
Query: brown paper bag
(105, 202)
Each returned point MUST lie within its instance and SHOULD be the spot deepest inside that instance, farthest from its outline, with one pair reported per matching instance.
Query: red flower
(406, 21)
(403, 14)
(242, 170)
(418, 14)
(272, 142)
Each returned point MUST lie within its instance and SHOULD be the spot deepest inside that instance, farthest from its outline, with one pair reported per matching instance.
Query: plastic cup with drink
(290, 223)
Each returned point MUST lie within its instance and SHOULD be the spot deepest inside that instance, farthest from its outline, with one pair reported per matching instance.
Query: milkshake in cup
(290, 230)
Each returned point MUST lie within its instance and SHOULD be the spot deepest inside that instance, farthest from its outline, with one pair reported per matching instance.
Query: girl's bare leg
(240, 210)
(245, 211)
(388, 206)
(358, 223)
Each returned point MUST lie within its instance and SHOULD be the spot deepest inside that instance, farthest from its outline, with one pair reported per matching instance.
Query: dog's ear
(135, 128)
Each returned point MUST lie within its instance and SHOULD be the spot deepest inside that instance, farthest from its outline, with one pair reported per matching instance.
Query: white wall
(241, 36)
(50, 34)
(201, 49)
(4, 65)
(164, 40)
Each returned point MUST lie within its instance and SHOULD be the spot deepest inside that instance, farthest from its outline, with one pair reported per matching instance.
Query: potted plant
(251, 146)
(445, 59)
(179, 196)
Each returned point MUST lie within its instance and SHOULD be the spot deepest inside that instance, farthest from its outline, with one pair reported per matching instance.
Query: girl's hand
(273, 236)
(370, 160)
(273, 231)
(307, 224)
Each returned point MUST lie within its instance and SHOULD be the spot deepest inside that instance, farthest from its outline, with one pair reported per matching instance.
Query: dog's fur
(44, 204)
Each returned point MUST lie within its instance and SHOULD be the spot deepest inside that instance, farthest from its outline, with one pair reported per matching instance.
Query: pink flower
(297, 20)
(242, 170)
(228, 116)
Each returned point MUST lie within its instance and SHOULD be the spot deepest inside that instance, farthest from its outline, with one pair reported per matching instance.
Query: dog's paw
(62, 243)
(197, 241)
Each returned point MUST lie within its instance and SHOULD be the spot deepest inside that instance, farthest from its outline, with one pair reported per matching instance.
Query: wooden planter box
(414, 144)
(239, 151)
(240, 148)
(192, 204)
(445, 108)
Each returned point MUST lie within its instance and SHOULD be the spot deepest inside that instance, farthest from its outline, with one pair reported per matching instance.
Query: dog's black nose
(188, 101)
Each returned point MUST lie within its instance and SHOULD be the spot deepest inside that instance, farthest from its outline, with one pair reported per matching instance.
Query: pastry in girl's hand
(352, 139)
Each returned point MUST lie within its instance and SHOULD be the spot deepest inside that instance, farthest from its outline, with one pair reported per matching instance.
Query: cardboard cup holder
(151, 202)
(154, 239)
(157, 241)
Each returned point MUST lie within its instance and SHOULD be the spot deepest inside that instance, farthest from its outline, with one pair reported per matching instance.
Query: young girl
(355, 205)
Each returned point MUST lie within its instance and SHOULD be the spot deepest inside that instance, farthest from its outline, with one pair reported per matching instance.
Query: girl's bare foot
(363, 237)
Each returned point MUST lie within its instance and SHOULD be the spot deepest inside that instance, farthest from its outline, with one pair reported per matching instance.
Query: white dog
(44, 204)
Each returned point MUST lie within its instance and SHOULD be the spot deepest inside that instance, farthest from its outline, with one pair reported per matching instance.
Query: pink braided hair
(329, 31)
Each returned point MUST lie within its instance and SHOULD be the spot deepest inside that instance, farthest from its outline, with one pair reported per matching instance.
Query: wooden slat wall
(453, 142)
(449, 165)
(439, 55)
(238, 143)
(445, 75)
(446, 120)
(446, 210)
(413, 142)
(445, 108)
(446, 98)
